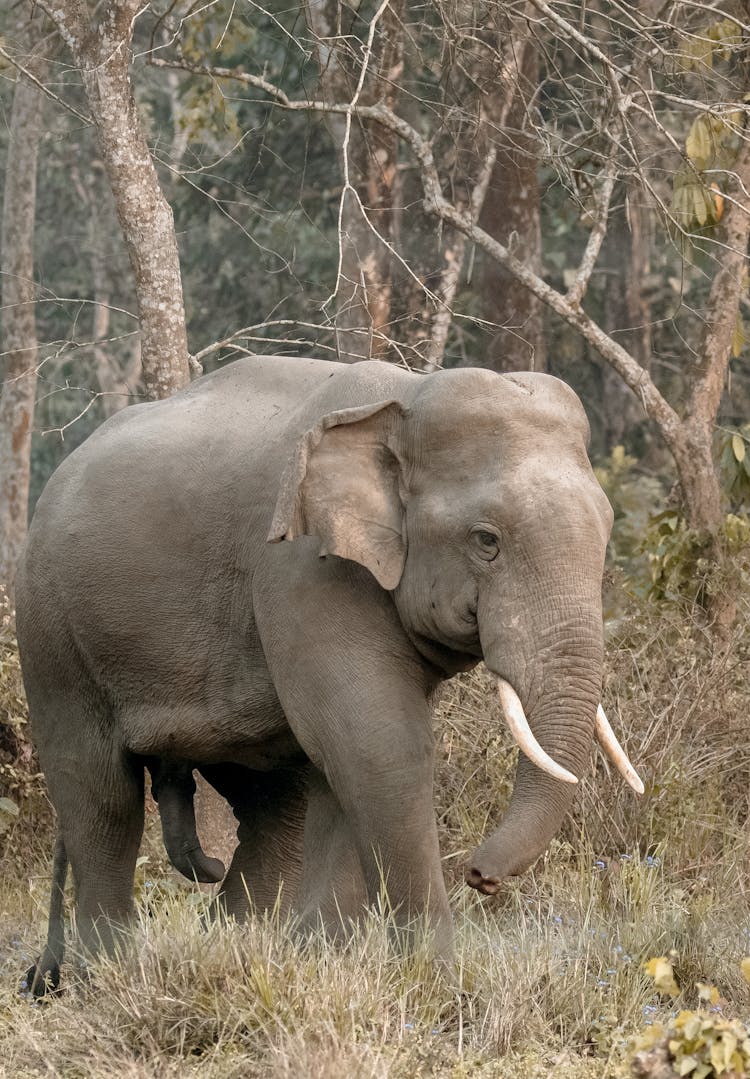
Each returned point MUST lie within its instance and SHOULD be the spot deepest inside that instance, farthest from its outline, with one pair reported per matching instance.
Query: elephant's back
(167, 491)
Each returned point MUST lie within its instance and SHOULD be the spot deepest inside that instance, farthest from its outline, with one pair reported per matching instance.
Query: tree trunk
(696, 468)
(18, 389)
(625, 255)
(367, 153)
(103, 55)
(483, 153)
(511, 214)
(118, 378)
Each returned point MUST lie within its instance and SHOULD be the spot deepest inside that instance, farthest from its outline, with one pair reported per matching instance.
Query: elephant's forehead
(492, 441)
(520, 484)
(505, 413)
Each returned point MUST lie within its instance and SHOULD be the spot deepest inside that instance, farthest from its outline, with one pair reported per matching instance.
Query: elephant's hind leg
(270, 808)
(98, 795)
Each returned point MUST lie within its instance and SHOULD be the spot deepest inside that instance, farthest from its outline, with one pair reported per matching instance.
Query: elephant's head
(475, 504)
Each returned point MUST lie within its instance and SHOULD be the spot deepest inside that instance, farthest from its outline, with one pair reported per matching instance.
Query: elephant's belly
(256, 736)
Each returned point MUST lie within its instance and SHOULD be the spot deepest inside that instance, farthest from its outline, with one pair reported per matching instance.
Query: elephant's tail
(174, 788)
(44, 976)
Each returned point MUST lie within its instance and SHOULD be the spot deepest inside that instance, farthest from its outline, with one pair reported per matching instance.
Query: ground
(549, 977)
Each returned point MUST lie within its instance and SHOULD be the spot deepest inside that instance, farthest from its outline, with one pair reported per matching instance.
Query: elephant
(266, 577)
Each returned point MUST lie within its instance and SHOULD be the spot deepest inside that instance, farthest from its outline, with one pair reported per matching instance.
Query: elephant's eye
(486, 543)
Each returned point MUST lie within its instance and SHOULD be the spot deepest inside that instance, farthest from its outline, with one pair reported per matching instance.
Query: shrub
(24, 809)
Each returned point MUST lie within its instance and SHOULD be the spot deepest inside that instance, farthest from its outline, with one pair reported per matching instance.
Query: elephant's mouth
(479, 875)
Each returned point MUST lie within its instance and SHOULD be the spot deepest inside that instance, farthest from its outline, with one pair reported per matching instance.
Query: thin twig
(40, 86)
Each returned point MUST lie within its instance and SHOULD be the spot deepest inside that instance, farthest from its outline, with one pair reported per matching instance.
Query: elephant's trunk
(563, 730)
(552, 656)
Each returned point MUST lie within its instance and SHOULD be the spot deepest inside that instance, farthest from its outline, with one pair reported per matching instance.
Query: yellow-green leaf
(721, 1052)
(738, 337)
(660, 969)
(699, 143)
(695, 51)
(680, 202)
(699, 205)
(738, 447)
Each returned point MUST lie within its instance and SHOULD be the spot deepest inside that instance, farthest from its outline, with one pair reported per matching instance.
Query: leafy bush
(635, 499)
(23, 805)
(653, 551)
(700, 1043)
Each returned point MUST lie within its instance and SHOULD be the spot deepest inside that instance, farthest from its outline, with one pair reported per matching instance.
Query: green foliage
(208, 109)
(734, 463)
(213, 36)
(712, 144)
(698, 1043)
(635, 498)
(676, 556)
(683, 563)
(204, 111)
(23, 806)
(658, 556)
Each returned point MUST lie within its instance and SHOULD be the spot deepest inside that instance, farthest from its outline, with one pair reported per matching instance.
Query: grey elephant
(435, 520)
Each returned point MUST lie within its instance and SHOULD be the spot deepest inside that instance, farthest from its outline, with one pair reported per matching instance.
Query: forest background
(525, 185)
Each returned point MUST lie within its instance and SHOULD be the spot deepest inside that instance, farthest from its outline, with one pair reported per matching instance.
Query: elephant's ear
(342, 485)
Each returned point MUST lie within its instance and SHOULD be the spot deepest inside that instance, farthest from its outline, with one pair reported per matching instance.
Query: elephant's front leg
(355, 694)
(370, 832)
(332, 890)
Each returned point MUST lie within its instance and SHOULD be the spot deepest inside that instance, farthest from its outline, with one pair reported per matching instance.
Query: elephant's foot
(43, 977)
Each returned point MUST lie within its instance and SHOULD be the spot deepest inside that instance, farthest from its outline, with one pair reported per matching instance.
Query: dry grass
(548, 977)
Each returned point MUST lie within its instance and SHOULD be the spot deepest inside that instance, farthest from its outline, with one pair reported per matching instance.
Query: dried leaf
(718, 200)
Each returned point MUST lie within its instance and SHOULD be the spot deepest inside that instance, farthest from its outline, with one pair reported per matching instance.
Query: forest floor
(549, 976)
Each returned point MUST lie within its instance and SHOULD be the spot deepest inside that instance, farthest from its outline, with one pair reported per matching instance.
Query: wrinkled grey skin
(461, 520)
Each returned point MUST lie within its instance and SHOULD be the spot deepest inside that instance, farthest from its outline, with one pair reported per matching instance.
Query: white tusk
(615, 752)
(521, 731)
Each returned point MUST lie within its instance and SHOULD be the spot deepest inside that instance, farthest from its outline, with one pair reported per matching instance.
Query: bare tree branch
(435, 203)
(577, 290)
